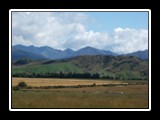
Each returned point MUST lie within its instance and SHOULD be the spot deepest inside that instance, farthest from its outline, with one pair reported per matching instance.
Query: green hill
(42, 68)
(122, 67)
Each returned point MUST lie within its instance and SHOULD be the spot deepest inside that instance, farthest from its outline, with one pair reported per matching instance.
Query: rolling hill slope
(124, 66)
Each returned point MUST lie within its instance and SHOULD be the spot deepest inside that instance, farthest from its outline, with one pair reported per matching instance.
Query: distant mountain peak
(89, 47)
(45, 47)
(31, 46)
(68, 49)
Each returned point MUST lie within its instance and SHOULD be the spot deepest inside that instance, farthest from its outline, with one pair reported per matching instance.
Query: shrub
(22, 84)
(93, 85)
(16, 88)
(23, 61)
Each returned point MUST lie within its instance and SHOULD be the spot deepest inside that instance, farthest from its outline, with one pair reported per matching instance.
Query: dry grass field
(36, 82)
(130, 96)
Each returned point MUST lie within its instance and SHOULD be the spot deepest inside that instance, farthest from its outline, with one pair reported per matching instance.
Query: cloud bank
(62, 30)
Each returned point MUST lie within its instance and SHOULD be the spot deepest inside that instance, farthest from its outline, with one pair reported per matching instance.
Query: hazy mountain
(18, 54)
(51, 53)
(140, 54)
(93, 51)
(32, 52)
(44, 51)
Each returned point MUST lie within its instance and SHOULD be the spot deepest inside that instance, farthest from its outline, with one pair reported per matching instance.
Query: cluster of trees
(129, 77)
(57, 75)
(108, 77)
(22, 61)
(77, 75)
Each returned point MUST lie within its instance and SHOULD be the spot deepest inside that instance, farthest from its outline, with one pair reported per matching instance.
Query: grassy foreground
(131, 96)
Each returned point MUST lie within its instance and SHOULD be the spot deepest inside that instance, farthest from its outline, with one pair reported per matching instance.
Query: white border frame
(80, 10)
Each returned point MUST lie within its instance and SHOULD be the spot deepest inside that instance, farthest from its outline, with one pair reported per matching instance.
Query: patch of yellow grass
(36, 82)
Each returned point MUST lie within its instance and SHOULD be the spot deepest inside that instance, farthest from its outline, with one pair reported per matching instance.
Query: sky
(119, 32)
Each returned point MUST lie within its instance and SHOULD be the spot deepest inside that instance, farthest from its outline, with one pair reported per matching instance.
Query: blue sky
(120, 32)
(107, 21)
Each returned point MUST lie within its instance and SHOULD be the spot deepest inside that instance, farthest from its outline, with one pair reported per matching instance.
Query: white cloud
(20, 40)
(129, 40)
(90, 38)
(63, 30)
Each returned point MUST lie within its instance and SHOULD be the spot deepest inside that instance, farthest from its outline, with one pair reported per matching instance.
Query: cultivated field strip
(37, 82)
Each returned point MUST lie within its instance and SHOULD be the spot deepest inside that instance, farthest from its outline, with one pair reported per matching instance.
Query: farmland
(37, 82)
(130, 96)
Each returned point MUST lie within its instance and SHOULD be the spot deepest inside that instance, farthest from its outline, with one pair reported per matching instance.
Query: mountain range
(46, 52)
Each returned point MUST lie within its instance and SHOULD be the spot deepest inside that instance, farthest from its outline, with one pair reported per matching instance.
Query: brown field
(37, 82)
(130, 96)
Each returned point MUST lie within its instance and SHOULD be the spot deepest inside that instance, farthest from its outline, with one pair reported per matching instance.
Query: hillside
(125, 67)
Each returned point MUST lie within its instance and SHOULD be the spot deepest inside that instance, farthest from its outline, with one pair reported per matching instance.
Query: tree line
(76, 75)
(57, 75)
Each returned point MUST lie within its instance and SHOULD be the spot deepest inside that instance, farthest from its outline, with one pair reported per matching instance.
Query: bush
(23, 61)
(16, 88)
(93, 85)
(22, 84)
